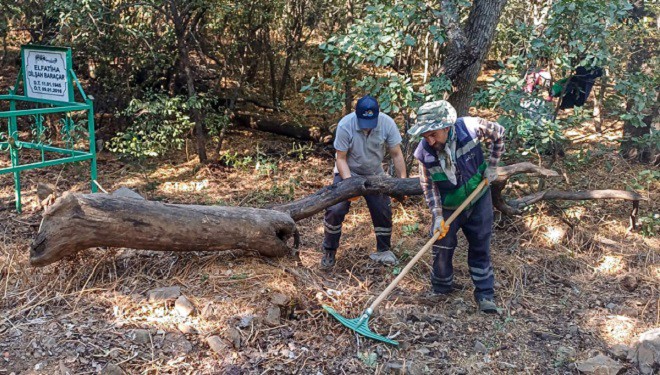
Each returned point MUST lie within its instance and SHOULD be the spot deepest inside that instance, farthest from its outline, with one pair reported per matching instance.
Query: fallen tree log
(394, 187)
(80, 221)
(289, 129)
(123, 219)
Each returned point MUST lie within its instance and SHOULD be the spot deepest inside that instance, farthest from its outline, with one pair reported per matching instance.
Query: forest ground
(572, 281)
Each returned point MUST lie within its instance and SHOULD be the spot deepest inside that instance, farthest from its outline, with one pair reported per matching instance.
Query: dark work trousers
(380, 208)
(477, 225)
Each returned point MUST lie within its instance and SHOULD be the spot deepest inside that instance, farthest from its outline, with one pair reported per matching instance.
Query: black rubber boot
(328, 260)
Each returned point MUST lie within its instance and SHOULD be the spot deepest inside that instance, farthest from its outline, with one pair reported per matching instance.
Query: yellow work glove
(440, 226)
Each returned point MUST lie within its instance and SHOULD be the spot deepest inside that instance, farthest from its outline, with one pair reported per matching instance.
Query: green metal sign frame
(48, 85)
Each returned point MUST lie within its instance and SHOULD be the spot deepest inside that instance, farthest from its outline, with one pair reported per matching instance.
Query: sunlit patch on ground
(611, 264)
(554, 234)
(617, 329)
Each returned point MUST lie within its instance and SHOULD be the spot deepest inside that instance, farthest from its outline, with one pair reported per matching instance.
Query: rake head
(360, 325)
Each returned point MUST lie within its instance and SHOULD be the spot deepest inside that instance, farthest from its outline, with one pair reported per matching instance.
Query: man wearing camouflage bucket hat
(451, 165)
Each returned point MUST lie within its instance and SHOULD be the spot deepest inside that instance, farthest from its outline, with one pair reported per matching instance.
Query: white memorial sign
(46, 75)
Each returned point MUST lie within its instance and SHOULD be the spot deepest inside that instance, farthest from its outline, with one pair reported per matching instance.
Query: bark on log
(551, 195)
(349, 188)
(394, 187)
(81, 221)
(289, 129)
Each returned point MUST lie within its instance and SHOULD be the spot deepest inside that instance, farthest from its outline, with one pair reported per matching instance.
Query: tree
(468, 47)
(641, 140)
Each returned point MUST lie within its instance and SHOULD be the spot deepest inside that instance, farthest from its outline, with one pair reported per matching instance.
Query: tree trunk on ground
(81, 221)
(468, 48)
(400, 187)
(289, 129)
(640, 57)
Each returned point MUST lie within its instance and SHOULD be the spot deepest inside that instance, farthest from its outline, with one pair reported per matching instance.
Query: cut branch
(349, 188)
(551, 195)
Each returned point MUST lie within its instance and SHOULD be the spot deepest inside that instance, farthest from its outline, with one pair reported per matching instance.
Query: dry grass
(569, 275)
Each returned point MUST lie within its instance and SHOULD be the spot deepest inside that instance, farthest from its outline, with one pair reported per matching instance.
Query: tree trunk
(180, 29)
(289, 129)
(640, 57)
(80, 221)
(478, 32)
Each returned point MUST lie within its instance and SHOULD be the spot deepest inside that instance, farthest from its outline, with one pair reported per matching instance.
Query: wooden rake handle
(426, 247)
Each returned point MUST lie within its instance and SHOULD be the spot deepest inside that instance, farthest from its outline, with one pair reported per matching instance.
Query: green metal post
(92, 141)
(13, 153)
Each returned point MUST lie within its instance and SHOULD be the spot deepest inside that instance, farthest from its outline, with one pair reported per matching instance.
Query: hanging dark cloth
(579, 86)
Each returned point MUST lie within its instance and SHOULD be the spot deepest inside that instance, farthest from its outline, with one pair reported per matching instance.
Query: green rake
(361, 324)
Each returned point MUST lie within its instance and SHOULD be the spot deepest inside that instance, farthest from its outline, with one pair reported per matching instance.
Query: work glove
(440, 226)
(491, 174)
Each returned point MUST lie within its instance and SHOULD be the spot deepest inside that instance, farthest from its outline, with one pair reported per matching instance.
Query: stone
(280, 299)
(183, 306)
(566, 354)
(125, 192)
(646, 353)
(479, 347)
(39, 366)
(600, 365)
(186, 328)
(217, 344)
(140, 336)
(629, 282)
(245, 321)
(233, 336)
(112, 369)
(165, 294)
(273, 316)
(619, 351)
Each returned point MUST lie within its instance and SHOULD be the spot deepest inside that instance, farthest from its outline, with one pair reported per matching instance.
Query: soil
(572, 281)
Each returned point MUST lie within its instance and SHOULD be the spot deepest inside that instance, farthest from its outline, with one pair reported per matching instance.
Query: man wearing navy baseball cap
(360, 143)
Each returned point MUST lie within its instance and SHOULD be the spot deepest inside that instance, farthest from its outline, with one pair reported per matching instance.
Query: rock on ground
(273, 316)
(183, 306)
(646, 353)
(217, 344)
(169, 293)
(600, 365)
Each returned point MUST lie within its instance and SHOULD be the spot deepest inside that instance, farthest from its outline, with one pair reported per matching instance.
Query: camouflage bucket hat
(433, 116)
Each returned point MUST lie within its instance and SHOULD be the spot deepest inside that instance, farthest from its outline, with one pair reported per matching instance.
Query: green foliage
(370, 54)
(370, 359)
(410, 229)
(301, 151)
(649, 225)
(560, 36)
(160, 124)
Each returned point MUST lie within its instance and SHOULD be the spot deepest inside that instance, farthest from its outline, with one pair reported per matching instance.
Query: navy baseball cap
(366, 111)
